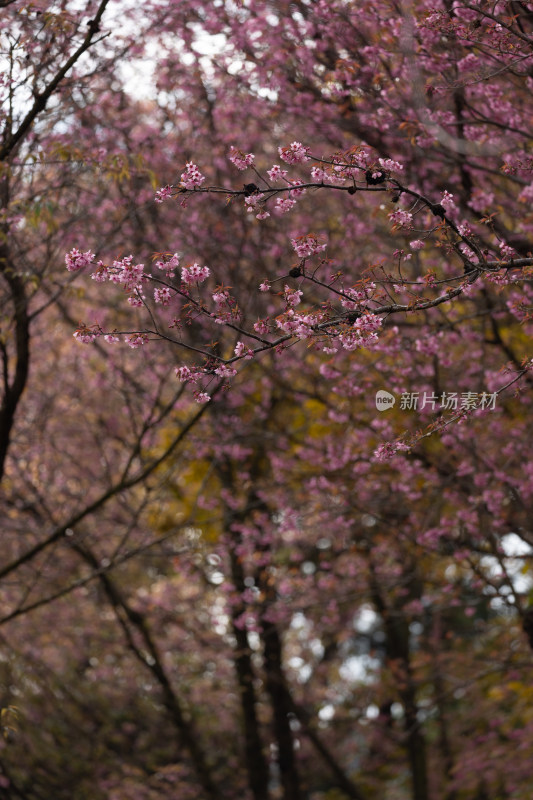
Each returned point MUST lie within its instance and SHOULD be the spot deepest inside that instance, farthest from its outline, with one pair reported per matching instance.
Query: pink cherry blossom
(239, 159)
(401, 218)
(253, 201)
(169, 266)
(241, 351)
(507, 251)
(163, 194)
(308, 245)
(194, 274)
(224, 371)
(390, 165)
(284, 204)
(136, 340)
(192, 177)
(76, 260)
(162, 295)
(292, 296)
(295, 153)
(276, 173)
(183, 374)
(447, 201)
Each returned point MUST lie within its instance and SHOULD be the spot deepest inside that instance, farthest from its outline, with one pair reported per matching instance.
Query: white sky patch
(365, 620)
(298, 621)
(326, 712)
(360, 669)
(516, 565)
(515, 546)
(140, 75)
(209, 44)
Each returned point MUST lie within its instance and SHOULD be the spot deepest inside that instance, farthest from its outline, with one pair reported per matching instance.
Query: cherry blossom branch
(43, 97)
(355, 328)
(527, 39)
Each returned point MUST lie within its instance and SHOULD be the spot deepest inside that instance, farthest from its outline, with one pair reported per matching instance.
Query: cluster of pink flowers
(76, 260)
(363, 333)
(255, 202)
(276, 173)
(137, 298)
(163, 194)
(284, 204)
(183, 374)
(262, 326)
(389, 449)
(308, 245)
(223, 371)
(252, 201)
(416, 244)
(241, 351)
(169, 266)
(194, 274)
(469, 253)
(401, 254)
(292, 296)
(126, 273)
(368, 323)
(401, 218)
(318, 174)
(136, 340)
(192, 176)
(85, 336)
(351, 340)
(220, 297)
(187, 375)
(390, 165)
(295, 153)
(296, 192)
(507, 251)
(337, 176)
(226, 309)
(447, 201)
(239, 159)
(356, 296)
(162, 295)
(500, 278)
(300, 325)
(101, 273)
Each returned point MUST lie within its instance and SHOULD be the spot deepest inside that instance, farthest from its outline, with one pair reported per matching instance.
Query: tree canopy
(266, 309)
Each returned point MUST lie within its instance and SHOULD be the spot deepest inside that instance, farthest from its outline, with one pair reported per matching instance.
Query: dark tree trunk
(397, 651)
(256, 763)
(15, 356)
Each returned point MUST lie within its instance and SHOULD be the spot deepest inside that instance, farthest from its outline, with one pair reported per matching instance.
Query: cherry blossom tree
(303, 585)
